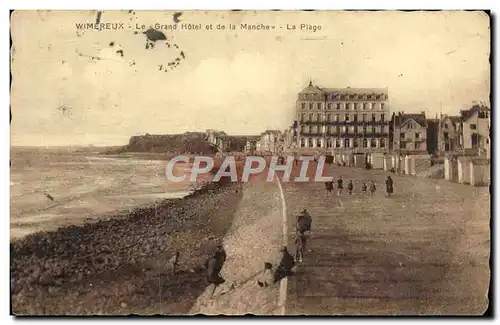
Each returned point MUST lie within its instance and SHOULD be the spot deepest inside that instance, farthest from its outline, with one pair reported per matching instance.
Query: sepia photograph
(243, 162)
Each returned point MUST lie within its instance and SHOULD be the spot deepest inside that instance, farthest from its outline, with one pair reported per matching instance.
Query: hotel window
(417, 145)
(417, 135)
(355, 117)
(310, 105)
(337, 129)
(382, 106)
(337, 143)
(373, 117)
(347, 118)
(328, 117)
(382, 117)
(302, 117)
(402, 145)
(403, 136)
(318, 117)
(473, 127)
(329, 143)
(373, 144)
(364, 117)
(329, 105)
(319, 105)
(303, 129)
(364, 129)
(318, 143)
(336, 117)
(311, 117)
(356, 106)
(303, 105)
(302, 142)
(382, 143)
(311, 144)
(338, 106)
(365, 143)
(365, 105)
(374, 106)
(355, 143)
(346, 143)
(310, 129)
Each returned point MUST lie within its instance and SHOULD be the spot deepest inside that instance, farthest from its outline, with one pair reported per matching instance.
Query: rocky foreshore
(47, 268)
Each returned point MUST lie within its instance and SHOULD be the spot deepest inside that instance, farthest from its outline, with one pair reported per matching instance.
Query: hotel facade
(331, 120)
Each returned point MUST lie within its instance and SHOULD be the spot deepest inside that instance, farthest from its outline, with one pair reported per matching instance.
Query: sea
(54, 187)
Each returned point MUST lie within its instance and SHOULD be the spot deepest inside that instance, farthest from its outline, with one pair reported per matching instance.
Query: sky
(74, 87)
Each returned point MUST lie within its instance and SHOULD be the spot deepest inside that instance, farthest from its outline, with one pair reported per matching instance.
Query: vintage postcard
(250, 162)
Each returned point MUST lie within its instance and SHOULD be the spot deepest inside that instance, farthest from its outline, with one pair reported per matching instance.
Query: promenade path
(424, 250)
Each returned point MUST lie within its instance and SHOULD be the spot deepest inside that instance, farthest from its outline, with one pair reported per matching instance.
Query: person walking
(328, 187)
(300, 246)
(340, 186)
(373, 188)
(364, 188)
(350, 187)
(389, 186)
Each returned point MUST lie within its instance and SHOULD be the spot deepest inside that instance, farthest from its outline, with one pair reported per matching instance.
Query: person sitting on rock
(286, 265)
(267, 277)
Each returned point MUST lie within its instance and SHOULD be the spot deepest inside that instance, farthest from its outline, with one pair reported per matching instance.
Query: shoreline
(49, 267)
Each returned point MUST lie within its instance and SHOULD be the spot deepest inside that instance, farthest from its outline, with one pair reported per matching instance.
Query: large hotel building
(342, 119)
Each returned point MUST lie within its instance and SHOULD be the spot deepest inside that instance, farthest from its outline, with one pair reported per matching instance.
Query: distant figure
(328, 187)
(48, 196)
(267, 277)
(214, 266)
(350, 187)
(174, 262)
(364, 188)
(372, 188)
(389, 186)
(304, 222)
(300, 246)
(340, 186)
(286, 265)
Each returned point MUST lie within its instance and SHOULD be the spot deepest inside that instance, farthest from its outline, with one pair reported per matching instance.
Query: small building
(474, 130)
(270, 141)
(410, 133)
(448, 134)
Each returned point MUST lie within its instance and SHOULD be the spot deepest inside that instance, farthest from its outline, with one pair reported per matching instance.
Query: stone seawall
(254, 238)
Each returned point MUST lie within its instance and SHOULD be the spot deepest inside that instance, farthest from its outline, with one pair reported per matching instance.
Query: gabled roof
(468, 113)
(404, 118)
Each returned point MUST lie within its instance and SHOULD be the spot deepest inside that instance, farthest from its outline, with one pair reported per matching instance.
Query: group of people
(364, 187)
